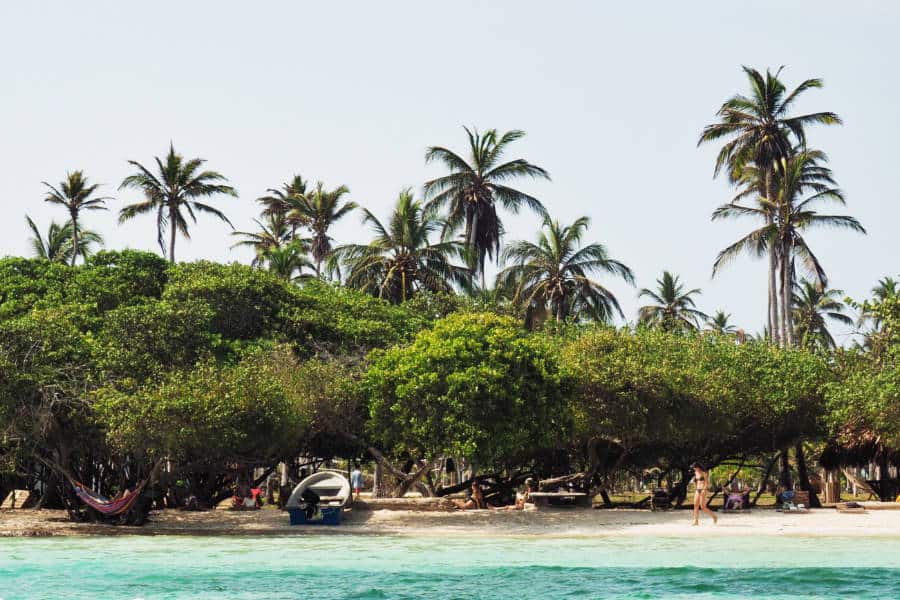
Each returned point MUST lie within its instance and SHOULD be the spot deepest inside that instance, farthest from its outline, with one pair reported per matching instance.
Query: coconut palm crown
(401, 260)
(173, 193)
(720, 323)
(318, 210)
(813, 308)
(674, 308)
(554, 277)
(803, 183)
(474, 188)
(272, 234)
(76, 194)
(56, 245)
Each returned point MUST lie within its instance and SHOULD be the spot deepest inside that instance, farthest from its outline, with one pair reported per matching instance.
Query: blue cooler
(328, 515)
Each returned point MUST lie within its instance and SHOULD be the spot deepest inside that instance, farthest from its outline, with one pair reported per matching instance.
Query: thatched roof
(857, 447)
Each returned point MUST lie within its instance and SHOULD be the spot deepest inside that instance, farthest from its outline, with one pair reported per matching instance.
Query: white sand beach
(876, 522)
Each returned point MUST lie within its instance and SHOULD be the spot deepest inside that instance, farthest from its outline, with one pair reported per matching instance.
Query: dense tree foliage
(475, 385)
(393, 350)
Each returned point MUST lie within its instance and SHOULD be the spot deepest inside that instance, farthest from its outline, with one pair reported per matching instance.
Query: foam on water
(350, 566)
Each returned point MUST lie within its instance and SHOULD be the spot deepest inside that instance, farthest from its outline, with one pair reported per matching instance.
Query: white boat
(332, 488)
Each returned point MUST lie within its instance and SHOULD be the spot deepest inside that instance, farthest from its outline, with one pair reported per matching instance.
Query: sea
(520, 567)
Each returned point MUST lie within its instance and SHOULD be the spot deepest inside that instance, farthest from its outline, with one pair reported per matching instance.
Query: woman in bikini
(701, 489)
(475, 500)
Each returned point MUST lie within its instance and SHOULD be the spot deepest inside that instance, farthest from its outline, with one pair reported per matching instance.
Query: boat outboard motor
(311, 501)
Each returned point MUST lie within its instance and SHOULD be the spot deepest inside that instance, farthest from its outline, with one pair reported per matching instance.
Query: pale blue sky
(612, 96)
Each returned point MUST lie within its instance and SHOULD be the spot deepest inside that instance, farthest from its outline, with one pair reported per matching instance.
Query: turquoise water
(364, 566)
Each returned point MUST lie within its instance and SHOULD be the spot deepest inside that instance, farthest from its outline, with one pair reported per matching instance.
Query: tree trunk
(785, 475)
(773, 294)
(74, 237)
(803, 476)
(765, 480)
(173, 230)
(49, 491)
(773, 302)
(679, 493)
(786, 281)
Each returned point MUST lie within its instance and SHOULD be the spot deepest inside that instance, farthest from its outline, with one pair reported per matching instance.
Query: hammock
(110, 507)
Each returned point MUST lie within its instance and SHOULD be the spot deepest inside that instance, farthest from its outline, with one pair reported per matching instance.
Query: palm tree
(674, 309)
(473, 189)
(801, 183)
(720, 323)
(57, 246)
(401, 260)
(288, 261)
(272, 234)
(812, 306)
(280, 201)
(318, 211)
(886, 288)
(553, 277)
(761, 132)
(171, 192)
(76, 194)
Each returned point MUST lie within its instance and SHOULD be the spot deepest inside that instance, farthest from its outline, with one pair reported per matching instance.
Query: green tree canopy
(475, 385)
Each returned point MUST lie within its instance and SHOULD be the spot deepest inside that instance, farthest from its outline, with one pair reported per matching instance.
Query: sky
(613, 97)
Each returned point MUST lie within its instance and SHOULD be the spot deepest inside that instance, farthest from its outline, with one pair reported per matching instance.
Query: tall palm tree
(760, 131)
(57, 246)
(279, 201)
(801, 183)
(475, 186)
(76, 194)
(173, 191)
(813, 306)
(674, 308)
(317, 211)
(401, 260)
(721, 323)
(272, 234)
(554, 276)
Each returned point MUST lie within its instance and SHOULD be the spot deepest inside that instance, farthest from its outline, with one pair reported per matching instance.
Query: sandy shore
(562, 523)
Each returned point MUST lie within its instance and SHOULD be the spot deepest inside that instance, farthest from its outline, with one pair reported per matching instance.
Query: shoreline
(558, 523)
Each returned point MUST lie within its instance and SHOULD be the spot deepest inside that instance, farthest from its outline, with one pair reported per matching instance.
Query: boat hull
(327, 515)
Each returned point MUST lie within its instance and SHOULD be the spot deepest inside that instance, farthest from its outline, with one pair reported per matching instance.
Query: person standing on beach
(701, 491)
(356, 480)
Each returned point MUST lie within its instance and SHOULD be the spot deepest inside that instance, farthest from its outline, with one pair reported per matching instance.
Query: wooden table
(548, 499)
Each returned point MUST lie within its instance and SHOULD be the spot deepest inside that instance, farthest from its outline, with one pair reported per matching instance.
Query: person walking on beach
(356, 479)
(701, 490)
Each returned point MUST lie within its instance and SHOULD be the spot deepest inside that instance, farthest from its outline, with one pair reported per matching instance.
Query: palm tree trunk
(774, 327)
(74, 237)
(786, 319)
(773, 266)
(172, 227)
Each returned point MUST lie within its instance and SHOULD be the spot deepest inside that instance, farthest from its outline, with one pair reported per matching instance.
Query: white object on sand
(332, 488)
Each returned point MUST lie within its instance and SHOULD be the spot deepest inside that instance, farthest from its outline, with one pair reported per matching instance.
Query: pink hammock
(107, 506)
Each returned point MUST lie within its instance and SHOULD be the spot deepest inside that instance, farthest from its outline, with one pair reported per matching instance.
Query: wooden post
(832, 487)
